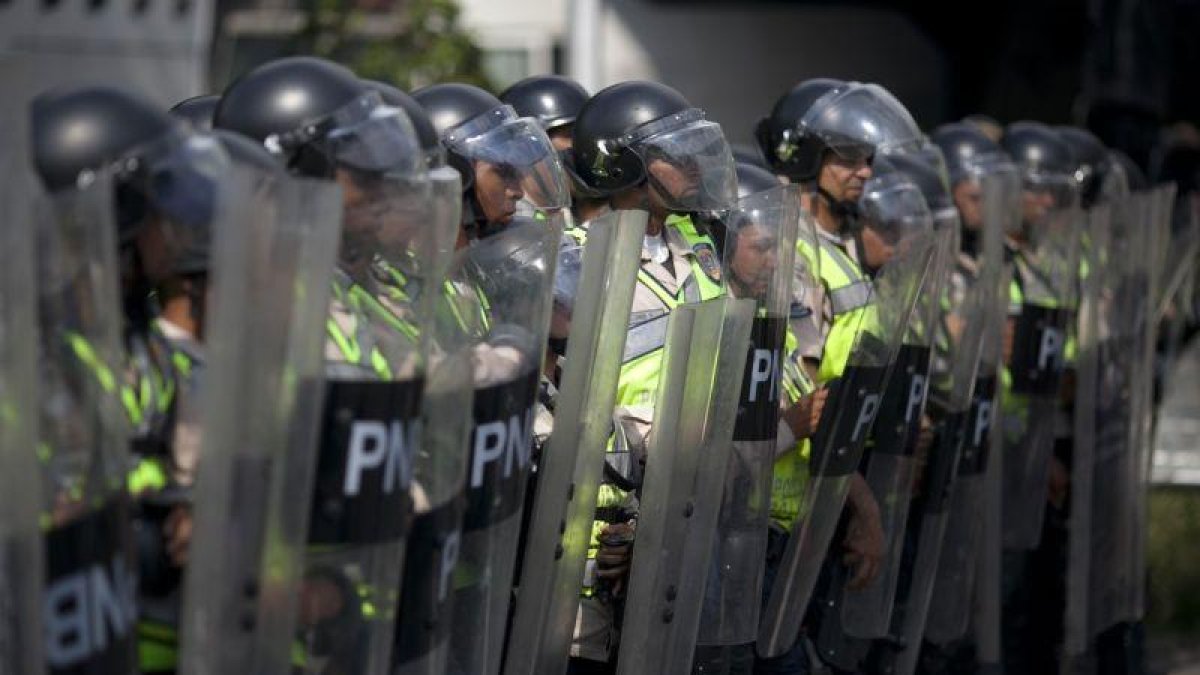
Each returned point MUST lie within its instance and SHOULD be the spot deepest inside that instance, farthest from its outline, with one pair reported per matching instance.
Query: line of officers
(319, 376)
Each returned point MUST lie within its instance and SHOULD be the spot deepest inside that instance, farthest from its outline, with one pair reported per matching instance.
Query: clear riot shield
(971, 323)
(1124, 311)
(759, 264)
(1046, 270)
(261, 405)
(1162, 201)
(21, 555)
(371, 428)
(88, 594)
(892, 461)
(513, 272)
(694, 413)
(422, 627)
(967, 504)
(572, 465)
(849, 413)
(1097, 279)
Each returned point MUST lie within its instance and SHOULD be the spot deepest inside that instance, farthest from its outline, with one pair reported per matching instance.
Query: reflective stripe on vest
(851, 296)
(349, 346)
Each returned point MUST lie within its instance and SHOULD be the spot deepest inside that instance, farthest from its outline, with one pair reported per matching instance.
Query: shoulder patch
(707, 259)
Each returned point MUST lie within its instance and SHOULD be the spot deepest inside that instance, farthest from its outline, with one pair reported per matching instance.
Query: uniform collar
(179, 339)
(675, 241)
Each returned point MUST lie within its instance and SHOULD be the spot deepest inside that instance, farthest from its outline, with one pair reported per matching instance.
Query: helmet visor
(513, 161)
(862, 116)
(689, 164)
(367, 135)
(895, 209)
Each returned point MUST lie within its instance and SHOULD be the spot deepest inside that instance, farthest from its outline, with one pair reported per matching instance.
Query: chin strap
(844, 210)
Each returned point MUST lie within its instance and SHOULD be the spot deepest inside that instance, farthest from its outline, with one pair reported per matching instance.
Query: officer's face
(876, 249)
(754, 260)
(680, 183)
(968, 197)
(498, 189)
(363, 212)
(844, 178)
(1035, 204)
(560, 137)
(154, 251)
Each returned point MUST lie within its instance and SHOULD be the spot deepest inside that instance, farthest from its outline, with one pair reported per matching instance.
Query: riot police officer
(1043, 292)
(629, 145)
(168, 201)
(555, 101)
(324, 123)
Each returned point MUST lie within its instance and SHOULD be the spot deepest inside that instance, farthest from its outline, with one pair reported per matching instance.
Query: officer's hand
(178, 531)
(804, 417)
(864, 543)
(1060, 483)
(615, 554)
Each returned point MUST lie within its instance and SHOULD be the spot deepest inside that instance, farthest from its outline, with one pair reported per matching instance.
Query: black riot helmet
(1039, 152)
(197, 111)
(158, 165)
(508, 165)
(1096, 175)
(752, 179)
(553, 100)
(893, 204)
(779, 135)
(627, 132)
(451, 104)
(319, 117)
(964, 146)
(925, 176)
(426, 134)
(86, 129)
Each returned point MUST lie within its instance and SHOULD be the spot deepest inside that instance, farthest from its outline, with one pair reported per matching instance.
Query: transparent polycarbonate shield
(759, 264)
(21, 554)
(695, 407)
(82, 436)
(1162, 202)
(892, 460)
(271, 279)
(391, 257)
(1097, 279)
(513, 273)
(1123, 310)
(422, 626)
(966, 320)
(572, 466)
(942, 591)
(1046, 271)
(850, 411)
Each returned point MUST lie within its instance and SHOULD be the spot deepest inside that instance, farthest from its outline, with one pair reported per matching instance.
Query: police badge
(708, 261)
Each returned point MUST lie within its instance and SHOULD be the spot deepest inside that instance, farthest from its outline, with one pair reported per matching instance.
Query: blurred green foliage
(1174, 561)
(430, 45)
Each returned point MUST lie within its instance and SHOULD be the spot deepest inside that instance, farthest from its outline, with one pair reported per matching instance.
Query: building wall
(732, 59)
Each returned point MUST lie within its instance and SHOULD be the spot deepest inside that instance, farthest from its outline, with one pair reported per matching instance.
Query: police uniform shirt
(186, 436)
(811, 336)
(672, 274)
